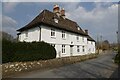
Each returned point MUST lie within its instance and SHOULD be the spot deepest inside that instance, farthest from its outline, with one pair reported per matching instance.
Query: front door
(71, 50)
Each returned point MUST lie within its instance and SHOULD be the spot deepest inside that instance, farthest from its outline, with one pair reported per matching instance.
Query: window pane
(63, 48)
(78, 49)
(77, 37)
(83, 48)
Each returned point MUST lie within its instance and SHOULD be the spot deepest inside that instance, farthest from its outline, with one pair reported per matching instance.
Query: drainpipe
(40, 34)
(98, 44)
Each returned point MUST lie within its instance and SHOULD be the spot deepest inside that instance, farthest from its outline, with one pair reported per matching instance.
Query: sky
(100, 18)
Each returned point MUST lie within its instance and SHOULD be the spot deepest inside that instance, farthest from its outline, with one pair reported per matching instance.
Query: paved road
(101, 67)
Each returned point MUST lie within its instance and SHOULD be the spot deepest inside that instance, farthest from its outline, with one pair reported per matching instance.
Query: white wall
(33, 35)
(70, 37)
(91, 47)
(58, 41)
(45, 35)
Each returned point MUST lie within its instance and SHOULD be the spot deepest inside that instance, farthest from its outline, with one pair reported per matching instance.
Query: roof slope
(46, 17)
(90, 39)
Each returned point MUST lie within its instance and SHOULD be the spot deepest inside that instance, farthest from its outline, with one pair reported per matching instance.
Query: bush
(117, 57)
(25, 51)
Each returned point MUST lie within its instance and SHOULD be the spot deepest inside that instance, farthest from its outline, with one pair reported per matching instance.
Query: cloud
(9, 25)
(60, 0)
(9, 6)
(99, 21)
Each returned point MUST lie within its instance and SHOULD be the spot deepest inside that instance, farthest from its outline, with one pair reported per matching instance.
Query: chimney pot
(86, 31)
(62, 12)
(56, 8)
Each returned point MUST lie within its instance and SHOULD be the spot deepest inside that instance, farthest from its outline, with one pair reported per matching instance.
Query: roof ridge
(52, 12)
(45, 17)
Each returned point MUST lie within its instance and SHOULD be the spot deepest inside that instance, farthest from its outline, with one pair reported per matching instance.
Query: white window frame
(63, 48)
(52, 33)
(63, 35)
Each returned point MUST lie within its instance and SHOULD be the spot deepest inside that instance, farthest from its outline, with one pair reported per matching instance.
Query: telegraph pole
(117, 40)
(98, 43)
(101, 41)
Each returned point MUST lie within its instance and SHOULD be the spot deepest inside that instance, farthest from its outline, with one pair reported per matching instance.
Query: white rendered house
(64, 34)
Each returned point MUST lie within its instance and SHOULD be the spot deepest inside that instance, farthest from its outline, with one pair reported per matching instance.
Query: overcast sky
(100, 18)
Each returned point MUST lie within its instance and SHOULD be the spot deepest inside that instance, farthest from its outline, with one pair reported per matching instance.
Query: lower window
(83, 48)
(78, 49)
(63, 48)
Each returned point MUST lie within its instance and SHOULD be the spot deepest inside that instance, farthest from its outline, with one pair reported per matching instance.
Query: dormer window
(56, 20)
(78, 28)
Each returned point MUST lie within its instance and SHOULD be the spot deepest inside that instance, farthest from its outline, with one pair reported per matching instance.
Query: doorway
(71, 50)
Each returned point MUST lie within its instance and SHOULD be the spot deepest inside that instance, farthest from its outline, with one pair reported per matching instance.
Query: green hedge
(24, 51)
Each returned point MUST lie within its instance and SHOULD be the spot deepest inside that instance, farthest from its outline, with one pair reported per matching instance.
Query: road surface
(101, 67)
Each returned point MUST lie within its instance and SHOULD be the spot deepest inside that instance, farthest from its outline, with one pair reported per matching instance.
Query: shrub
(117, 57)
(26, 51)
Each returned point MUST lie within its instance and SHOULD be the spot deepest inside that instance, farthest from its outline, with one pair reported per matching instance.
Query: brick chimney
(86, 31)
(56, 9)
(62, 12)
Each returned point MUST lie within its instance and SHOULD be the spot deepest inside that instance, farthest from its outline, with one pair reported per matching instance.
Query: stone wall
(17, 67)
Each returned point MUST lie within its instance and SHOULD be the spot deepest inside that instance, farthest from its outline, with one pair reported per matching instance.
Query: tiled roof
(46, 17)
(90, 39)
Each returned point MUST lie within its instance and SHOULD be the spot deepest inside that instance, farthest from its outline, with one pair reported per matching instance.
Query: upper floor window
(83, 39)
(63, 48)
(53, 32)
(26, 34)
(77, 38)
(78, 49)
(63, 34)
